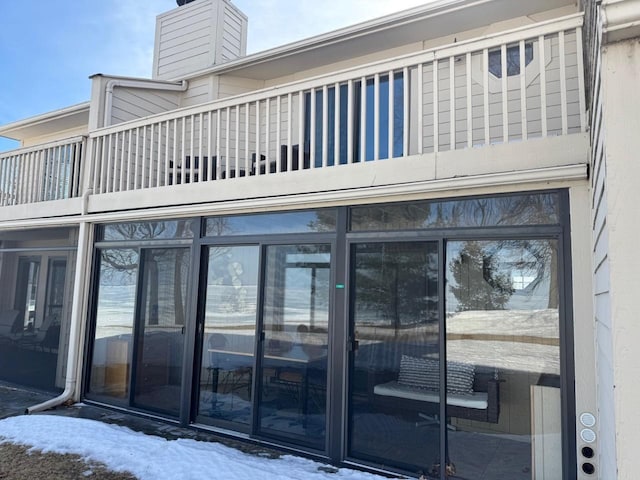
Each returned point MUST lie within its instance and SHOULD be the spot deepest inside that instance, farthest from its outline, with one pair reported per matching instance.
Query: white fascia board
(22, 128)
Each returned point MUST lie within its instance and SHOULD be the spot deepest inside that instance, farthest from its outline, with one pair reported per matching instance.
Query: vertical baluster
(543, 85)
(278, 132)
(201, 162)
(485, 77)
(110, 162)
(192, 148)
(505, 91)
(436, 108)
(376, 117)
(290, 131)
(156, 151)
(469, 101)
(563, 83)
(523, 92)
(137, 161)
(452, 103)
(80, 147)
(336, 125)
(9, 180)
(116, 160)
(152, 161)
(122, 161)
(167, 165)
(18, 182)
(98, 164)
(28, 175)
(3, 180)
(144, 180)
(59, 180)
(174, 158)
(181, 163)
(23, 169)
(420, 123)
(581, 92)
(312, 129)
(218, 137)
(212, 160)
(301, 139)
(390, 118)
(350, 116)
(267, 134)
(325, 126)
(363, 120)
(405, 112)
(257, 160)
(247, 128)
(237, 142)
(226, 142)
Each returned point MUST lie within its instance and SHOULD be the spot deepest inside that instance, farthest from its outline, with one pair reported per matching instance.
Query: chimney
(197, 35)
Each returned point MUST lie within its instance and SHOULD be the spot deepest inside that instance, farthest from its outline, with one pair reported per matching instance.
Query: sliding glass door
(394, 343)
(228, 343)
(295, 325)
(160, 330)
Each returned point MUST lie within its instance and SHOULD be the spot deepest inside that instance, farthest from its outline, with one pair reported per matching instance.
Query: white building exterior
(511, 124)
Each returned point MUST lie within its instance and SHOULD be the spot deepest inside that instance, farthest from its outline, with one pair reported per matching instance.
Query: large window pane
(503, 322)
(161, 328)
(306, 221)
(507, 210)
(395, 389)
(115, 312)
(35, 306)
(229, 334)
(160, 230)
(294, 361)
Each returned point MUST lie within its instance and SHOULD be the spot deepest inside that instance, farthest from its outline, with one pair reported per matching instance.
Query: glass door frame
(560, 233)
(139, 327)
(262, 242)
(189, 326)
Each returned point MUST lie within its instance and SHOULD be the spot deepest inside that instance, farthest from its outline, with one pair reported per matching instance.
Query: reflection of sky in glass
(116, 293)
(232, 287)
(532, 209)
(524, 336)
(276, 223)
(148, 230)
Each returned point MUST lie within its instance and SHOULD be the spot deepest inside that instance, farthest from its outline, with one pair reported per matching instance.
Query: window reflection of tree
(396, 284)
(514, 210)
(482, 272)
(124, 263)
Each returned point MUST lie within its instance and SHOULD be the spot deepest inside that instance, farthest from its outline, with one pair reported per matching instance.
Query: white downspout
(75, 337)
(148, 85)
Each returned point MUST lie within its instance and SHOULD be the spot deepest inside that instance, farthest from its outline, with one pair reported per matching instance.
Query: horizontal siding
(514, 117)
(199, 91)
(132, 103)
(230, 86)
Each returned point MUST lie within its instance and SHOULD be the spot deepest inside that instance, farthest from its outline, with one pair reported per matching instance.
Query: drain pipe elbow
(75, 328)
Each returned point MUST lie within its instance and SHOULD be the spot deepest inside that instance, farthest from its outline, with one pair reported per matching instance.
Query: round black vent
(183, 2)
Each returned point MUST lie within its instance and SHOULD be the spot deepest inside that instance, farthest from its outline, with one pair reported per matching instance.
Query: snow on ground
(150, 457)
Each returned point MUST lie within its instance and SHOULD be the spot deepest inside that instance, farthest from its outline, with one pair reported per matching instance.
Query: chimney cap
(183, 2)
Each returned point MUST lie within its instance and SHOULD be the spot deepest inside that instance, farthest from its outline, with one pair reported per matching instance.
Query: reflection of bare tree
(530, 209)
(480, 285)
(483, 272)
(218, 226)
(398, 281)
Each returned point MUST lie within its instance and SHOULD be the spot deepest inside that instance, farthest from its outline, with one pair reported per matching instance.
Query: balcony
(44, 173)
(425, 116)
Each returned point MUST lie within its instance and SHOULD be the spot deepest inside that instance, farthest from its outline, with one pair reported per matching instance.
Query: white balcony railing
(448, 98)
(41, 173)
